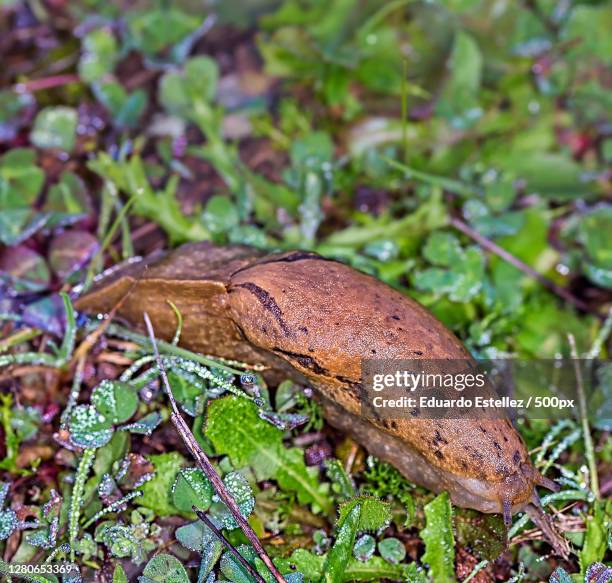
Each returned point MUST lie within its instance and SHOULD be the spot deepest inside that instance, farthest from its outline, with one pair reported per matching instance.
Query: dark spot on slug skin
(516, 458)
(497, 446)
(395, 317)
(291, 258)
(267, 301)
(304, 361)
(439, 454)
(439, 439)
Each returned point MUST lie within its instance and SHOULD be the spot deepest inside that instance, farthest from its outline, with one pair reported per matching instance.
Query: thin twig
(489, 245)
(204, 463)
(589, 450)
(202, 516)
(46, 83)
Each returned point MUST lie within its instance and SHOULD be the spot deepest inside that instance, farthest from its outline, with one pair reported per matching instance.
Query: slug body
(315, 320)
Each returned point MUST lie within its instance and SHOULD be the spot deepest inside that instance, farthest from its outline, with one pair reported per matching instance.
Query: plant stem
(405, 110)
(589, 449)
(204, 463)
(76, 500)
(112, 507)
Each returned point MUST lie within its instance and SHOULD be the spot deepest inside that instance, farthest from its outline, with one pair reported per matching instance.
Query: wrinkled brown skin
(316, 319)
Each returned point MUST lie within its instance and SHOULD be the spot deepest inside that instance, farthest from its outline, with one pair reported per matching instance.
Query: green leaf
(194, 536)
(342, 483)
(554, 176)
(196, 83)
(164, 568)
(159, 206)
(157, 491)
(470, 277)
(100, 54)
(55, 127)
(126, 108)
(115, 400)
(374, 570)
(67, 201)
(309, 564)
(439, 540)
(340, 554)
(119, 575)
(462, 281)
(595, 234)
(88, 427)
(220, 214)
(8, 523)
(235, 429)
(112, 452)
(234, 570)
(191, 488)
(20, 179)
(240, 490)
(374, 513)
(152, 31)
(442, 249)
(145, 425)
(14, 107)
(392, 550)
(293, 475)
(459, 100)
(595, 539)
(590, 26)
(364, 547)
(484, 534)
(413, 573)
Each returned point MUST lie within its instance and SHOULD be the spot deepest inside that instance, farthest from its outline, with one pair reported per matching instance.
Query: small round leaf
(192, 488)
(115, 400)
(392, 550)
(364, 547)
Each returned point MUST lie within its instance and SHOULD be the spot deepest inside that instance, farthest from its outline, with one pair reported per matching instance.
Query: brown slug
(316, 319)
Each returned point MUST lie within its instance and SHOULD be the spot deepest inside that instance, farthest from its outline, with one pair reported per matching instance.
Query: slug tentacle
(507, 511)
(547, 483)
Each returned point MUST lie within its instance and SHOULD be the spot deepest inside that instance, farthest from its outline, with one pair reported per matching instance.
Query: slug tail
(544, 522)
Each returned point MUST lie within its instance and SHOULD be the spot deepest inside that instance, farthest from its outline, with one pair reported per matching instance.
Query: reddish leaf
(71, 251)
